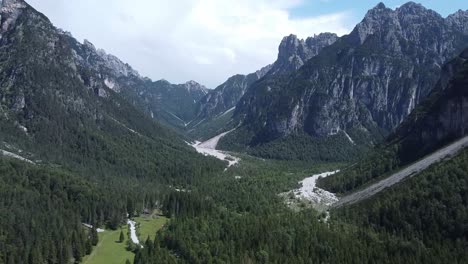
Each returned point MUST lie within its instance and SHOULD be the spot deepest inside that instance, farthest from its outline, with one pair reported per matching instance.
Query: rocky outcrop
(369, 80)
(442, 117)
(294, 52)
(10, 10)
(292, 55)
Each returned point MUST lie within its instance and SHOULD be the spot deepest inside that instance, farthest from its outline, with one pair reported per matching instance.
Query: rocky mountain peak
(89, 45)
(412, 7)
(194, 86)
(459, 20)
(263, 71)
(290, 48)
(294, 52)
(317, 42)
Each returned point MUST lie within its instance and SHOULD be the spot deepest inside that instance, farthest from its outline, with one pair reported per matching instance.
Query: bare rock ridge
(367, 82)
(292, 54)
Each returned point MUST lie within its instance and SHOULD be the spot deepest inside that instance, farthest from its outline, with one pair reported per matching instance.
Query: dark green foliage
(377, 164)
(42, 210)
(97, 156)
(244, 221)
(121, 237)
(299, 146)
(431, 209)
(94, 236)
(437, 121)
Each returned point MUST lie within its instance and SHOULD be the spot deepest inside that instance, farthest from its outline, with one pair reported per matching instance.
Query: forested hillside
(84, 145)
(94, 156)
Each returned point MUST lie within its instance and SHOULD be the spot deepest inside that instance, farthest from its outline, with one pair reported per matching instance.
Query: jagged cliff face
(292, 54)
(103, 74)
(56, 94)
(169, 103)
(441, 117)
(369, 80)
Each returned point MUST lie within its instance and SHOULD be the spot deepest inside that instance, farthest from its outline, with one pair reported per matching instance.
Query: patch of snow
(15, 156)
(208, 148)
(238, 177)
(349, 138)
(133, 234)
(310, 192)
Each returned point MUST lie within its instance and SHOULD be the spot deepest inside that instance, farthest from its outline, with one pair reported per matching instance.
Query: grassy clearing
(148, 226)
(109, 250)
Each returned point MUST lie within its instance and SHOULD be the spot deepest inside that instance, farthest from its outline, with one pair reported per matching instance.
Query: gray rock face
(442, 117)
(10, 10)
(226, 96)
(193, 86)
(294, 52)
(102, 73)
(369, 80)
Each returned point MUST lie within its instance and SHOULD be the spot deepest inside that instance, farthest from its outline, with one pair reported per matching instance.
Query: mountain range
(360, 87)
(87, 142)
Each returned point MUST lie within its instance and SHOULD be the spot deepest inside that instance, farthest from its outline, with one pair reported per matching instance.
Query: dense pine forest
(87, 146)
(245, 221)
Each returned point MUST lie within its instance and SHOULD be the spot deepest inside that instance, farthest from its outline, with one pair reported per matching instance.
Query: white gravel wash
(133, 234)
(310, 192)
(208, 148)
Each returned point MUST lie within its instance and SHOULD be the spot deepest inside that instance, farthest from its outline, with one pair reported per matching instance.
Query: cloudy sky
(206, 40)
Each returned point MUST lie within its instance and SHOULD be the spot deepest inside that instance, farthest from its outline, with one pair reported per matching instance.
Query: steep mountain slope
(429, 210)
(95, 157)
(292, 54)
(440, 119)
(168, 103)
(363, 85)
(50, 98)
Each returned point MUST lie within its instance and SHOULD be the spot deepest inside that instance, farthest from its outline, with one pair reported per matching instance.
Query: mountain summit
(362, 85)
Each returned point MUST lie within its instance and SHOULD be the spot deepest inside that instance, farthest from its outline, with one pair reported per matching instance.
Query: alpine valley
(346, 149)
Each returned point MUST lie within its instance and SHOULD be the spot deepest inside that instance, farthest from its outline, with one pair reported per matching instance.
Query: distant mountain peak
(195, 86)
(412, 6)
(294, 52)
(380, 6)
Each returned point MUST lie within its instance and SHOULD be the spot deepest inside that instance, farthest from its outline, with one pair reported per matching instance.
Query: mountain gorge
(89, 145)
(440, 119)
(292, 54)
(364, 84)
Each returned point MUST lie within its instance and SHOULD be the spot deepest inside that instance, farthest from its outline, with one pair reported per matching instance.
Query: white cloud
(203, 40)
